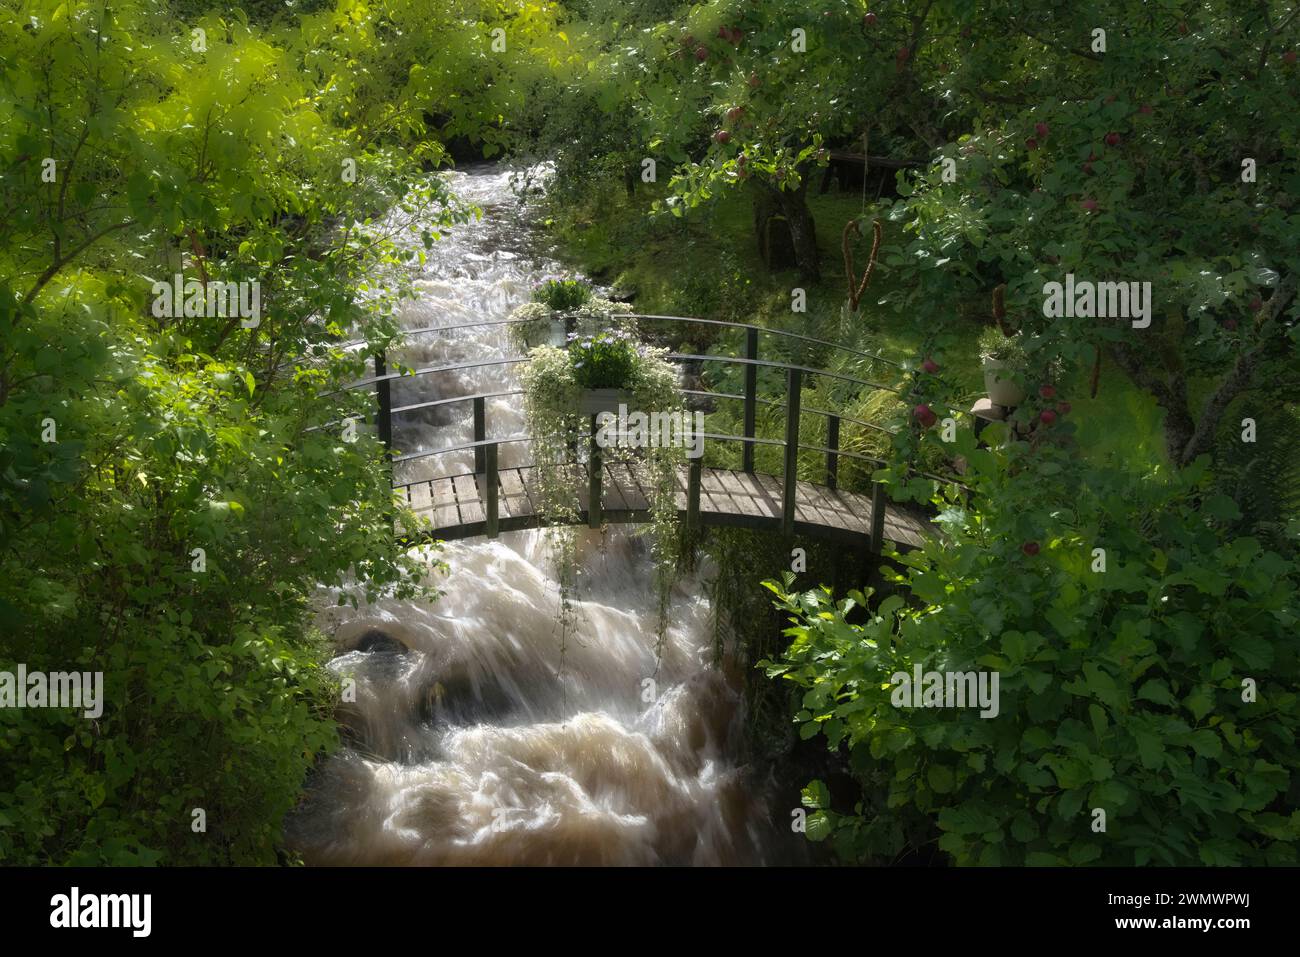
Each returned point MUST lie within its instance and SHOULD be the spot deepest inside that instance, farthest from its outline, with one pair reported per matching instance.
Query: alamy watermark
(946, 689)
(55, 689)
(75, 909)
(190, 299)
(658, 430)
(1100, 300)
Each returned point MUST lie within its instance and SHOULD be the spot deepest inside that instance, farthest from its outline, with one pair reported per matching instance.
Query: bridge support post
(693, 495)
(751, 395)
(878, 506)
(594, 516)
(791, 476)
(383, 392)
(832, 457)
(480, 433)
(491, 509)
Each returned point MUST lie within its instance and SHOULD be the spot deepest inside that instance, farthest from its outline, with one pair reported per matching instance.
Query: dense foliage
(1154, 680)
(175, 484)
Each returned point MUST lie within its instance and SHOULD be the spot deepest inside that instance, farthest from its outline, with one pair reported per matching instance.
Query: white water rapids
(472, 741)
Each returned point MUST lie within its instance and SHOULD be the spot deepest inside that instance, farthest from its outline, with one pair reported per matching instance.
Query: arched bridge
(490, 499)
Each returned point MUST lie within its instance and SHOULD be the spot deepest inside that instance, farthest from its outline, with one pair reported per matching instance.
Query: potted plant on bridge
(560, 305)
(603, 372)
(1003, 357)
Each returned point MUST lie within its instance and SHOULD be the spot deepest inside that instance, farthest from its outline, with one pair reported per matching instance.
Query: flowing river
(474, 740)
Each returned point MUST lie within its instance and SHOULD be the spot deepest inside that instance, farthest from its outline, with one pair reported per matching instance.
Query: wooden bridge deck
(457, 505)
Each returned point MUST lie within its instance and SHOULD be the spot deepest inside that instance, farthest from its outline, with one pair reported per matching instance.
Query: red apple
(1289, 57)
(742, 159)
(1087, 168)
(930, 366)
(1031, 143)
(1030, 548)
(754, 80)
(1048, 416)
(1047, 391)
(1063, 408)
(734, 113)
(1112, 139)
(1090, 205)
(1182, 28)
(701, 54)
(1040, 130)
(1110, 99)
(1230, 325)
(869, 19)
(924, 415)
(722, 136)
(1146, 109)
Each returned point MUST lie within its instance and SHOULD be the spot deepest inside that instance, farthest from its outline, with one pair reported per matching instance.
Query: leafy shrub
(1124, 690)
(606, 360)
(532, 325)
(561, 293)
(1008, 349)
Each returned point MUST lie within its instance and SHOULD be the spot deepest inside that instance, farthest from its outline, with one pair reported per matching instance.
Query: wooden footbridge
(491, 499)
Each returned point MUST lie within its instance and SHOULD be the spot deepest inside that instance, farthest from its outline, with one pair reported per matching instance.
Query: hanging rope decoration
(846, 242)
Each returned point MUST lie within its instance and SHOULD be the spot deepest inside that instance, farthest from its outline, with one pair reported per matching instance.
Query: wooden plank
(811, 508)
(760, 501)
(419, 499)
(856, 507)
(765, 492)
(840, 516)
(630, 487)
(514, 497)
(467, 500)
(682, 492)
(444, 513)
(614, 500)
(714, 497)
(742, 502)
(528, 479)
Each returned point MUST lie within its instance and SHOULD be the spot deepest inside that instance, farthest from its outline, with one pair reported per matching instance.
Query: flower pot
(1002, 391)
(595, 401)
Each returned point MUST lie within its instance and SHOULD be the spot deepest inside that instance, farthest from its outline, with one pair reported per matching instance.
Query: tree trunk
(794, 203)
(777, 208)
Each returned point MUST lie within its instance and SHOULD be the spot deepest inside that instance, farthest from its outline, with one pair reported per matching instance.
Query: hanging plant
(539, 322)
(598, 371)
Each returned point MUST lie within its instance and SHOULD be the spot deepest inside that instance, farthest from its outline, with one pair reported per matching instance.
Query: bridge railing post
(480, 433)
(693, 475)
(383, 392)
(751, 396)
(791, 475)
(878, 506)
(594, 513)
(493, 523)
(832, 455)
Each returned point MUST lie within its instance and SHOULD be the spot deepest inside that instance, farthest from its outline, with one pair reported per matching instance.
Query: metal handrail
(654, 317)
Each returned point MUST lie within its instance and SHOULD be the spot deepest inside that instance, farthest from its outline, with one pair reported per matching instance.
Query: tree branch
(1240, 376)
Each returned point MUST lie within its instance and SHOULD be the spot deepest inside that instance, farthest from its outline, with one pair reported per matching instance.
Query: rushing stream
(473, 740)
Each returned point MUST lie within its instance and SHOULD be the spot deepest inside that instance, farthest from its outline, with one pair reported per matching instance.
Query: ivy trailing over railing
(602, 366)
